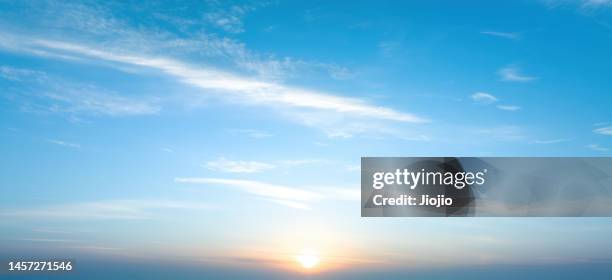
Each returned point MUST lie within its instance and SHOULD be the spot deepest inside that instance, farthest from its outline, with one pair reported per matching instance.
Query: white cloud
(45, 240)
(507, 35)
(288, 195)
(338, 72)
(225, 165)
(229, 22)
(229, 19)
(508, 107)
(257, 188)
(582, 4)
(299, 198)
(597, 148)
(64, 144)
(552, 141)
(388, 48)
(513, 74)
(596, 3)
(604, 130)
(107, 209)
(483, 97)
(18, 74)
(242, 89)
(486, 98)
(78, 99)
(337, 116)
(45, 93)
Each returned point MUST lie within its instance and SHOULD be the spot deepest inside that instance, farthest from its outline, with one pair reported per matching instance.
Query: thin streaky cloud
(596, 147)
(51, 94)
(244, 89)
(225, 165)
(388, 48)
(18, 74)
(230, 19)
(508, 107)
(83, 100)
(52, 231)
(513, 74)
(604, 130)
(552, 141)
(126, 209)
(506, 35)
(596, 3)
(261, 189)
(483, 97)
(46, 240)
(96, 248)
(64, 143)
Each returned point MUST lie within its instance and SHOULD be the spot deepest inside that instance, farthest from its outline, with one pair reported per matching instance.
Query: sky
(223, 139)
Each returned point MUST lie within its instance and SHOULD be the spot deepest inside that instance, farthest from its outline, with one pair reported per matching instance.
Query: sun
(308, 259)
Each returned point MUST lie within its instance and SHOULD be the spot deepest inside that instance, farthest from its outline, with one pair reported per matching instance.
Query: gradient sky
(229, 134)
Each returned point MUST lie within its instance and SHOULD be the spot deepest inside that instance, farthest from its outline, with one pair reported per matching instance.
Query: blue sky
(221, 131)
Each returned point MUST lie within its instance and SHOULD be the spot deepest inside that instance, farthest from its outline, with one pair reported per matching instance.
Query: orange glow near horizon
(308, 259)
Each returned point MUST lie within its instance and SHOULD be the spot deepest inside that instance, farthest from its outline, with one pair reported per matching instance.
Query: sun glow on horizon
(308, 259)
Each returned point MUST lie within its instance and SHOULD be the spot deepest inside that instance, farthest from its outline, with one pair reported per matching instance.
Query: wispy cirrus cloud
(334, 114)
(19, 74)
(582, 4)
(598, 148)
(257, 80)
(514, 74)
(231, 166)
(246, 89)
(289, 196)
(552, 141)
(388, 48)
(508, 107)
(483, 97)
(596, 3)
(64, 143)
(45, 93)
(229, 19)
(257, 188)
(487, 99)
(77, 100)
(607, 130)
(293, 197)
(506, 35)
(194, 36)
(105, 209)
